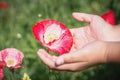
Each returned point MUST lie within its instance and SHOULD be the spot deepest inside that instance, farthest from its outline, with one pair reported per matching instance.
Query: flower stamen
(49, 37)
(10, 62)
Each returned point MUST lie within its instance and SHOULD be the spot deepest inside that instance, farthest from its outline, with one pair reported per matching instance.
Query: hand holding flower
(92, 45)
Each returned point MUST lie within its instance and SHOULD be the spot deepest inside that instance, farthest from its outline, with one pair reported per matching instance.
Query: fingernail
(39, 52)
(75, 12)
(59, 61)
(78, 16)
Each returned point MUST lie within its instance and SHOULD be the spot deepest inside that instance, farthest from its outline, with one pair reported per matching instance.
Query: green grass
(15, 31)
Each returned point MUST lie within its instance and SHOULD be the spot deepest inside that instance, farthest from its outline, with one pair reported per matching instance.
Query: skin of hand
(92, 45)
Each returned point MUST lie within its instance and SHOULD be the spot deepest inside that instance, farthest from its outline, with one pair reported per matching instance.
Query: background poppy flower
(109, 17)
(3, 5)
(1, 74)
(12, 57)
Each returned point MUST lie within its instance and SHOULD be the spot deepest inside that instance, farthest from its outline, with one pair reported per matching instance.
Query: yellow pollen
(10, 62)
(49, 37)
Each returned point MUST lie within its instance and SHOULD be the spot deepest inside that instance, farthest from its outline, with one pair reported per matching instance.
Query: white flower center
(52, 33)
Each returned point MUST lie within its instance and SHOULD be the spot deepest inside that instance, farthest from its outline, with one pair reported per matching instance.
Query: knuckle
(51, 66)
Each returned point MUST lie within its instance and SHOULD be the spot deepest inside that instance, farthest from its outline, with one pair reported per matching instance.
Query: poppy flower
(109, 17)
(11, 57)
(1, 74)
(53, 35)
(3, 5)
(2, 64)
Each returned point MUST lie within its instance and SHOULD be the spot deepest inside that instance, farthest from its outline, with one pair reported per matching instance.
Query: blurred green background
(15, 31)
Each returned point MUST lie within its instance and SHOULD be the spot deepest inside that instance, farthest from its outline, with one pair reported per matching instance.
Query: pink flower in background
(1, 74)
(3, 5)
(53, 35)
(109, 17)
(2, 64)
(11, 57)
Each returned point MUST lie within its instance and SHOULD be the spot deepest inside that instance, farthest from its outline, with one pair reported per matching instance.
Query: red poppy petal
(109, 17)
(38, 30)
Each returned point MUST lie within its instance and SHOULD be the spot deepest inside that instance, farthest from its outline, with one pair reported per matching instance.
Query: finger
(72, 66)
(46, 58)
(78, 56)
(83, 17)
